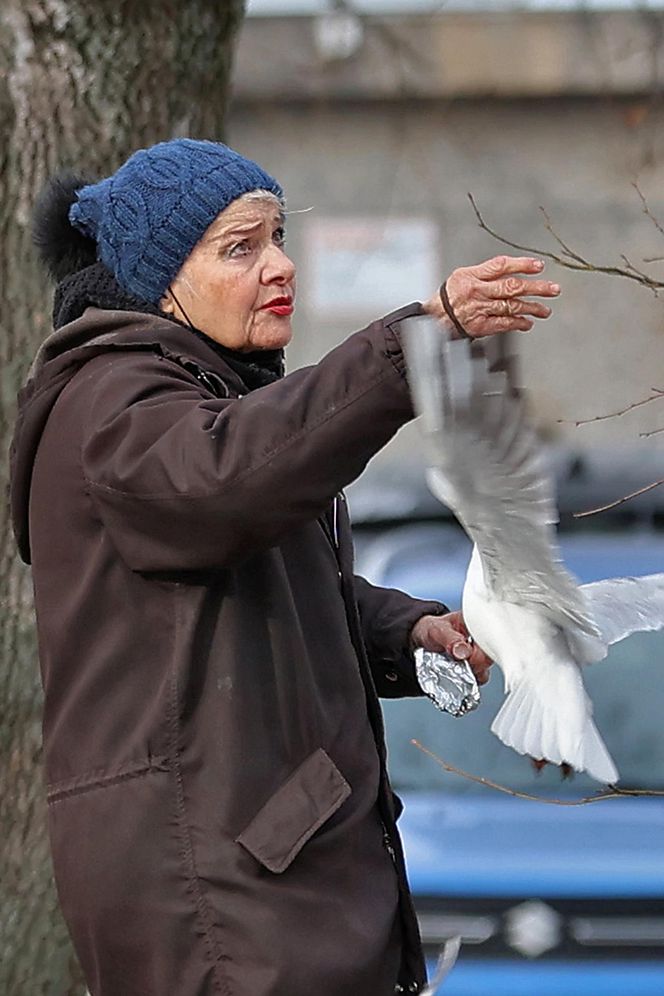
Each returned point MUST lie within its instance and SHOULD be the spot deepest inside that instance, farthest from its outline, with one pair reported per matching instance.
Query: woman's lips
(280, 306)
(280, 309)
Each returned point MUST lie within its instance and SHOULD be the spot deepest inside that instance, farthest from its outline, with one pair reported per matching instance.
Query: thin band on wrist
(449, 311)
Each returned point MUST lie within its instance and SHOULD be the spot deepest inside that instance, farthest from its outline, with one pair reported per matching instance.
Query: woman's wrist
(434, 307)
(461, 332)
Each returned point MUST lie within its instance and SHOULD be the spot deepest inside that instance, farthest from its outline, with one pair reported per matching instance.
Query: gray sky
(263, 7)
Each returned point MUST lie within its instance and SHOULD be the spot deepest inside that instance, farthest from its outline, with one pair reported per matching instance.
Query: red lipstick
(279, 306)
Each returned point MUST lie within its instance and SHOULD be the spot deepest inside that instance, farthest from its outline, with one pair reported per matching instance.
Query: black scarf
(96, 287)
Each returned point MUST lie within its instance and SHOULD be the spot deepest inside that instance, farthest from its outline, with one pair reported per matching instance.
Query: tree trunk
(81, 84)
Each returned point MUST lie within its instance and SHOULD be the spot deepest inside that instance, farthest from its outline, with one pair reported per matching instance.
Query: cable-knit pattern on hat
(150, 214)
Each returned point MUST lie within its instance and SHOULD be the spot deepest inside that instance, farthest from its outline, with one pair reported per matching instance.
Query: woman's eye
(238, 249)
(279, 236)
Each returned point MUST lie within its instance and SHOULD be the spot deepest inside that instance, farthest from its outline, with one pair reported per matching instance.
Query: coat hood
(65, 352)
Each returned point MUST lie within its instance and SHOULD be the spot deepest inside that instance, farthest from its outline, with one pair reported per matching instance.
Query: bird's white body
(547, 713)
(520, 604)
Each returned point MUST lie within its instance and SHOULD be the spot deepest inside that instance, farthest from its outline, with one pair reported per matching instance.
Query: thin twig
(653, 432)
(619, 501)
(647, 211)
(574, 262)
(566, 249)
(633, 269)
(613, 793)
(659, 394)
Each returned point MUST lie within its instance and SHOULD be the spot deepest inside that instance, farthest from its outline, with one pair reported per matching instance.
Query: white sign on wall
(358, 266)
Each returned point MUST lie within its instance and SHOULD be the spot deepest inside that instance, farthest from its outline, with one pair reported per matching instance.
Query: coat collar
(95, 287)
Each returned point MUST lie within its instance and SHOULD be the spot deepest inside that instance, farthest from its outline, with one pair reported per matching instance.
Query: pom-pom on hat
(148, 216)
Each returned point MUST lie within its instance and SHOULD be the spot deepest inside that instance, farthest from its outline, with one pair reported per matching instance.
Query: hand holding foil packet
(449, 683)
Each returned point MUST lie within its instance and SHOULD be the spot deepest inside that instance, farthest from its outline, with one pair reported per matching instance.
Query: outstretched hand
(493, 296)
(449, 634)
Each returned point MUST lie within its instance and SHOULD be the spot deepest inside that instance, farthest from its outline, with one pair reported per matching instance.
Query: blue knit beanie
(150, 214)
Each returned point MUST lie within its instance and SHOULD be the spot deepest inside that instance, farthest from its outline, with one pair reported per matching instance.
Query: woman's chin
(275, 337)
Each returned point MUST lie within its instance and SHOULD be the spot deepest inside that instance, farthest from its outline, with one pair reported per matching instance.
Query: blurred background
(379, 117)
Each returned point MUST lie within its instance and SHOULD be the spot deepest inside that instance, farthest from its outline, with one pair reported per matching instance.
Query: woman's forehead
(245, 214)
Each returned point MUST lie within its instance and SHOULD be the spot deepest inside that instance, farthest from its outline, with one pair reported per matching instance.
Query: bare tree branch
(658, 395)
(633, 269)
(648, 212)
(653, 432)
(565, 248)
(613, 793)
(570, 259)
(619, 501)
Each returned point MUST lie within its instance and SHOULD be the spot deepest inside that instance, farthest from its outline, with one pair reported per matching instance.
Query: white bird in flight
(520, 604)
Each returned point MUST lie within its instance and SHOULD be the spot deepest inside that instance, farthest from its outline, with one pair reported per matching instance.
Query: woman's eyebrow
(240, 228)
(233, 230)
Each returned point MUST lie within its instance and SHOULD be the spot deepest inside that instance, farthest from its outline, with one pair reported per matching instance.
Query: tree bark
(82, 84)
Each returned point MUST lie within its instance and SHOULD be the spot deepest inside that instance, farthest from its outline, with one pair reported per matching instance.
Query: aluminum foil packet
(449, 683)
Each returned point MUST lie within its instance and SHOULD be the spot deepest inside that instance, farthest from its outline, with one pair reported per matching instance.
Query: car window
(627, 688)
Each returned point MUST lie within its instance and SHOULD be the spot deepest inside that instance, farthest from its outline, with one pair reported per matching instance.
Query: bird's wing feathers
(485, 465)
(621, 606)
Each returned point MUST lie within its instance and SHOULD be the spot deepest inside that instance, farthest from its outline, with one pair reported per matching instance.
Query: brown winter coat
(220, 816)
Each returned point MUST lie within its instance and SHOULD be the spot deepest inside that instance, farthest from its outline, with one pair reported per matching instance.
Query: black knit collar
(96, 287)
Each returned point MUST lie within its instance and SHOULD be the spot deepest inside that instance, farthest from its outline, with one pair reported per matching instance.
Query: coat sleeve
(185, 481)
(387, 617)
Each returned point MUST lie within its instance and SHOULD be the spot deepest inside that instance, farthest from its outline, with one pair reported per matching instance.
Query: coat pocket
(297, 809)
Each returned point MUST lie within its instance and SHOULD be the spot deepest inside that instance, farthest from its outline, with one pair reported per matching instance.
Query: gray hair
(264, 195)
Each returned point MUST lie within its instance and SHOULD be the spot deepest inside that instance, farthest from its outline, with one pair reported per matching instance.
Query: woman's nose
(279, 268)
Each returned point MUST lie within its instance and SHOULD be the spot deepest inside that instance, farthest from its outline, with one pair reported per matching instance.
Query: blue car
(547, 899)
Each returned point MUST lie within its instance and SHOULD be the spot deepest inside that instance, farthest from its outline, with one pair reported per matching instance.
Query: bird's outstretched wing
(621, 606)
(486, 466)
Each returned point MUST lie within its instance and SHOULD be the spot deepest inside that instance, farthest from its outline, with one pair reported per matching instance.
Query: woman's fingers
(515, 287)
(488, 324)
(478, 661)
(462, 285)
(482, 674)
(500, 266)
(491, 297)
(495, 296)
(449, 633)
(514, 306)
(500, 323)
(480, 665)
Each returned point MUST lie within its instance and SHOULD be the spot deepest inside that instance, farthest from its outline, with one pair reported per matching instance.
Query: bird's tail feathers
(557, 728)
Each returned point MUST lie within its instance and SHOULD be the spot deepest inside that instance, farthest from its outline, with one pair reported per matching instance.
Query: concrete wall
(500, 54)
(521, 110)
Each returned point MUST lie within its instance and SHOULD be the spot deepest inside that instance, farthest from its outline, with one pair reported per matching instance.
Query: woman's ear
(167, 304)
(170, 305)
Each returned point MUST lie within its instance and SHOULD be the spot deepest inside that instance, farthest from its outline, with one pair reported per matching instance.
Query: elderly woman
(220, 814)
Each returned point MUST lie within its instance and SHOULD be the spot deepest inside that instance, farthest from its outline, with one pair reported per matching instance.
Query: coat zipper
(407, 912)
(389, 846)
